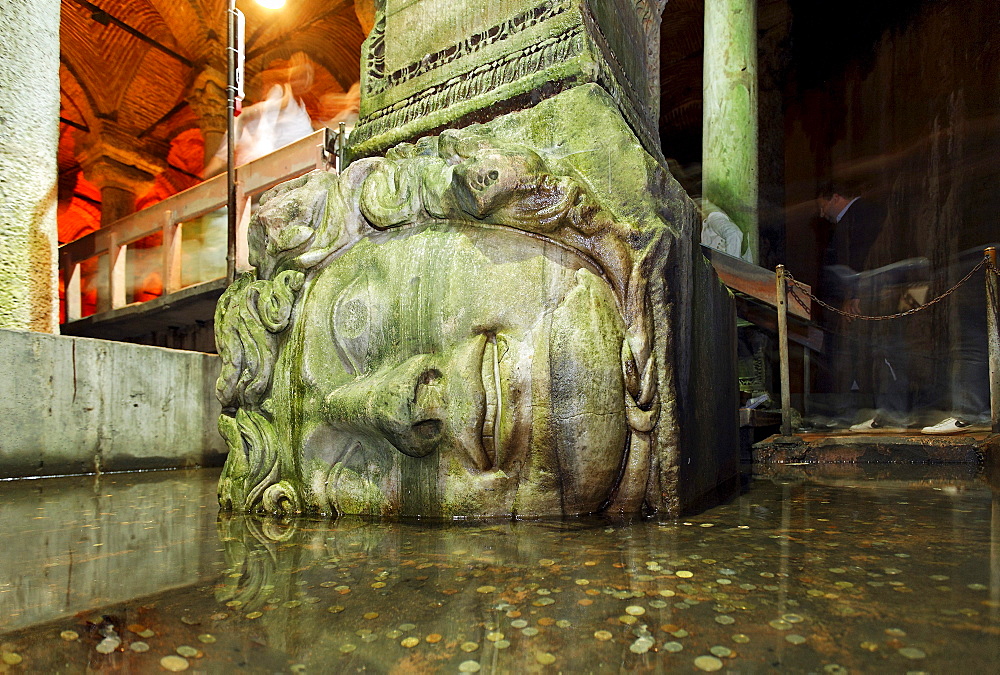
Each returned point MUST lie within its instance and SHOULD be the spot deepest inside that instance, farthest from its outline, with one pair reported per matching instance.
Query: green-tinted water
(134, 573)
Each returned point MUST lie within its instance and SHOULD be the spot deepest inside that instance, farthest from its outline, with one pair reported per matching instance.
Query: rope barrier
(984, 263)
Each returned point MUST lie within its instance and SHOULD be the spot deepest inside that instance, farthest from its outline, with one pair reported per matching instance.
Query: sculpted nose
(405, 405)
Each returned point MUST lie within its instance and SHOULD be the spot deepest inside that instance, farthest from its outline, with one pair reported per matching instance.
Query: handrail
(757, 282)
(252, 178)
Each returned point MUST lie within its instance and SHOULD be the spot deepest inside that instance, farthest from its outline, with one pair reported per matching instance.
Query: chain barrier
(984, 263)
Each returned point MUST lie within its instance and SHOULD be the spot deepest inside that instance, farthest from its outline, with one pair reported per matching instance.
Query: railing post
(172, 254)
(323, 151)
(993, 336)
(243, 206)
(781, 292)
(73, 291)
(116, 272)
(342, 148)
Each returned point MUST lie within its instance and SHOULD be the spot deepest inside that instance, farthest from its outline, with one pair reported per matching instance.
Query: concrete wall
(77, 405)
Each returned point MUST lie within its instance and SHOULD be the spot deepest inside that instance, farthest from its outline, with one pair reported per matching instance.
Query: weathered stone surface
(428, 64)
(29, 110)
(76, 405)
(495, 321)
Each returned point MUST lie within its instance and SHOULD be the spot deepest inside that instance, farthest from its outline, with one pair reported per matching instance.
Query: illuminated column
(207, 99)
(29, 108)
(729, 137)
(121, 174)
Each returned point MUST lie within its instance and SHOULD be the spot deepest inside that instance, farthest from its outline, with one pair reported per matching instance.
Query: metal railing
(167, 217)
(785, 284)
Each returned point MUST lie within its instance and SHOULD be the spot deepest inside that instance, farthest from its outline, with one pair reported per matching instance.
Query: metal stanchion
(993, 336)
(781, 289)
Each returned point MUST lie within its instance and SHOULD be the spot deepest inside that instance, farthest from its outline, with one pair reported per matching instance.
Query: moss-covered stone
(495, 321)
(430, 64)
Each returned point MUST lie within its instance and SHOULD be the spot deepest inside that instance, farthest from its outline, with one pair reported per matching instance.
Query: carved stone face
(457, 370)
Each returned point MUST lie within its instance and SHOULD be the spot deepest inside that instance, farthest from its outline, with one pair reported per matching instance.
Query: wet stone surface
(807, 575)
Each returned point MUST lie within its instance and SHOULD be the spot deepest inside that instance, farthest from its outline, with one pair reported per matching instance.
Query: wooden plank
(289, 162)
(756, 282)
(86, 247)
(807, 335)
(285, 163)
(169, 215)
(172, 254)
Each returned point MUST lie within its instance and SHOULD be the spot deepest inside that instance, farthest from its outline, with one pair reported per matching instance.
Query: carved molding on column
(109, 159)
(207, 98)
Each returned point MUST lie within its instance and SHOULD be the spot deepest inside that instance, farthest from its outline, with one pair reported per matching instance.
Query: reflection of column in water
(204, 248)
(745, 502)
(995, 558)
(214, 245)
(786, 524)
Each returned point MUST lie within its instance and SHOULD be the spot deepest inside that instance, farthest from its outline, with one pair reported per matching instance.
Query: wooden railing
(757, 298)
(167, 217)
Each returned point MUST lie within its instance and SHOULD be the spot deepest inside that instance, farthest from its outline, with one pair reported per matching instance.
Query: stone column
(29, 108)
(120, 182)
(120, 172)
(729, 137)
(207, 99)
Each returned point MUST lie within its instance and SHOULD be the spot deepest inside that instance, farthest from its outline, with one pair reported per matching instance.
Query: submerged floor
(804, 572)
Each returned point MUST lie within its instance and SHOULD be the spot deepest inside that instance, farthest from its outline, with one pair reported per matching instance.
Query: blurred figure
(335, 108)
(718, 231)
(970, 386)
(279, 119)
(856, 363)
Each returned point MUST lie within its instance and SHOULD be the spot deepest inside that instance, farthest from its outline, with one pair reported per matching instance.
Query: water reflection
(805, 572)
(70, 544)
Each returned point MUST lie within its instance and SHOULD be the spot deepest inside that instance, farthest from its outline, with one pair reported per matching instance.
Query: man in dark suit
(862, 359)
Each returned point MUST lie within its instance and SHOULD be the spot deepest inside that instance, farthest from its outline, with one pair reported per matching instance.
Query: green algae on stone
(474, 325)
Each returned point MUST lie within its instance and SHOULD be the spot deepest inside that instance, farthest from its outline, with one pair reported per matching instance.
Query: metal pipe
(342, 148)
(993, 335)
(231, 142)
(781, 291)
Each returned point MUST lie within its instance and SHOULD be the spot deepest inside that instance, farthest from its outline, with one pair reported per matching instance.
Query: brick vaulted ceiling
(128, 65)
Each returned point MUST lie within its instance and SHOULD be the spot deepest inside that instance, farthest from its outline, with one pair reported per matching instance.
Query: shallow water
(804, 572)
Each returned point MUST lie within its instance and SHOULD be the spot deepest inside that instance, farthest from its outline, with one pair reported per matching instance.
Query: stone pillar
(207, 99)
(729, 138)
(118, 169)
(119, 183)
(29, 108)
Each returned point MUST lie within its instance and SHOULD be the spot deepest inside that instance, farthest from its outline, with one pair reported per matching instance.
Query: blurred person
(718, 231)
(274, 122)
(969, 371)
(335, 108)
(858, 364)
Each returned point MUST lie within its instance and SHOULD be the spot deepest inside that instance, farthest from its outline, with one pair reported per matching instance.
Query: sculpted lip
(493, 400)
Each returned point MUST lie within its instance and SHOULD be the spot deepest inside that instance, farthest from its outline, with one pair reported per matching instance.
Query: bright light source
(271, 4)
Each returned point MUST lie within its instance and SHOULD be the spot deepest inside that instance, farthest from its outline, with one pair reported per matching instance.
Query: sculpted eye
(351, 325)
(352, 319)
